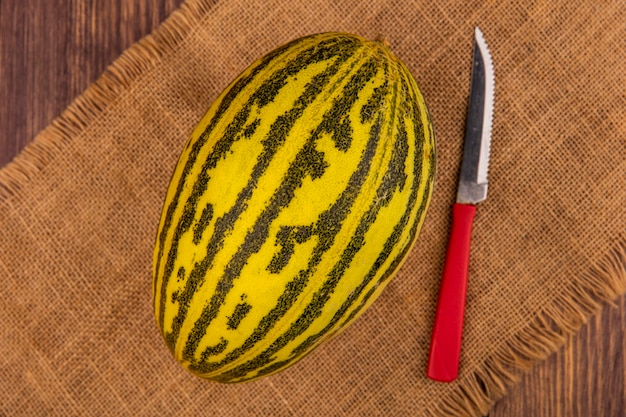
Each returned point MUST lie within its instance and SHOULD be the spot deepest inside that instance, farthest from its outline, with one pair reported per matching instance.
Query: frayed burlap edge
(475, 393)
(582, 298)
(95, 100)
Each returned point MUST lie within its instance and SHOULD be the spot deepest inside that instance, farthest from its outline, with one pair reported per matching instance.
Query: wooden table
(51, 50)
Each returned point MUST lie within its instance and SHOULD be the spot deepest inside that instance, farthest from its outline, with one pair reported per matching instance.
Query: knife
(445, 344)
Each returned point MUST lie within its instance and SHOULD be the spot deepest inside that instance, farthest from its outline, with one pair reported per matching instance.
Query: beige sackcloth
(79, 209)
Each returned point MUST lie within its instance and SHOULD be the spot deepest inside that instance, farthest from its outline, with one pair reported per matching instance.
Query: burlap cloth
(79, 210)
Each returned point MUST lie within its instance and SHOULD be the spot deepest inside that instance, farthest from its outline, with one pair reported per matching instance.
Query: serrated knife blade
(475, 164)
(445, 344)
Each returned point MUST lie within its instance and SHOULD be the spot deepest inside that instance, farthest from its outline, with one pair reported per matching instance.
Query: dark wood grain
(585, 378)
(51, 50)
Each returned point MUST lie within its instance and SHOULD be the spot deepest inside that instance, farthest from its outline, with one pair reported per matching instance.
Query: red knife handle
(445, 342)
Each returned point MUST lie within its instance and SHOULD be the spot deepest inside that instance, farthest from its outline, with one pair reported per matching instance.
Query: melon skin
(296, 199)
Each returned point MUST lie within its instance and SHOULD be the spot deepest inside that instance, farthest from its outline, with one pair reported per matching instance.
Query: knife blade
(445, 345)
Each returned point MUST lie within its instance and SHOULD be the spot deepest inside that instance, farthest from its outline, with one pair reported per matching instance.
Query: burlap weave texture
(79, 211)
